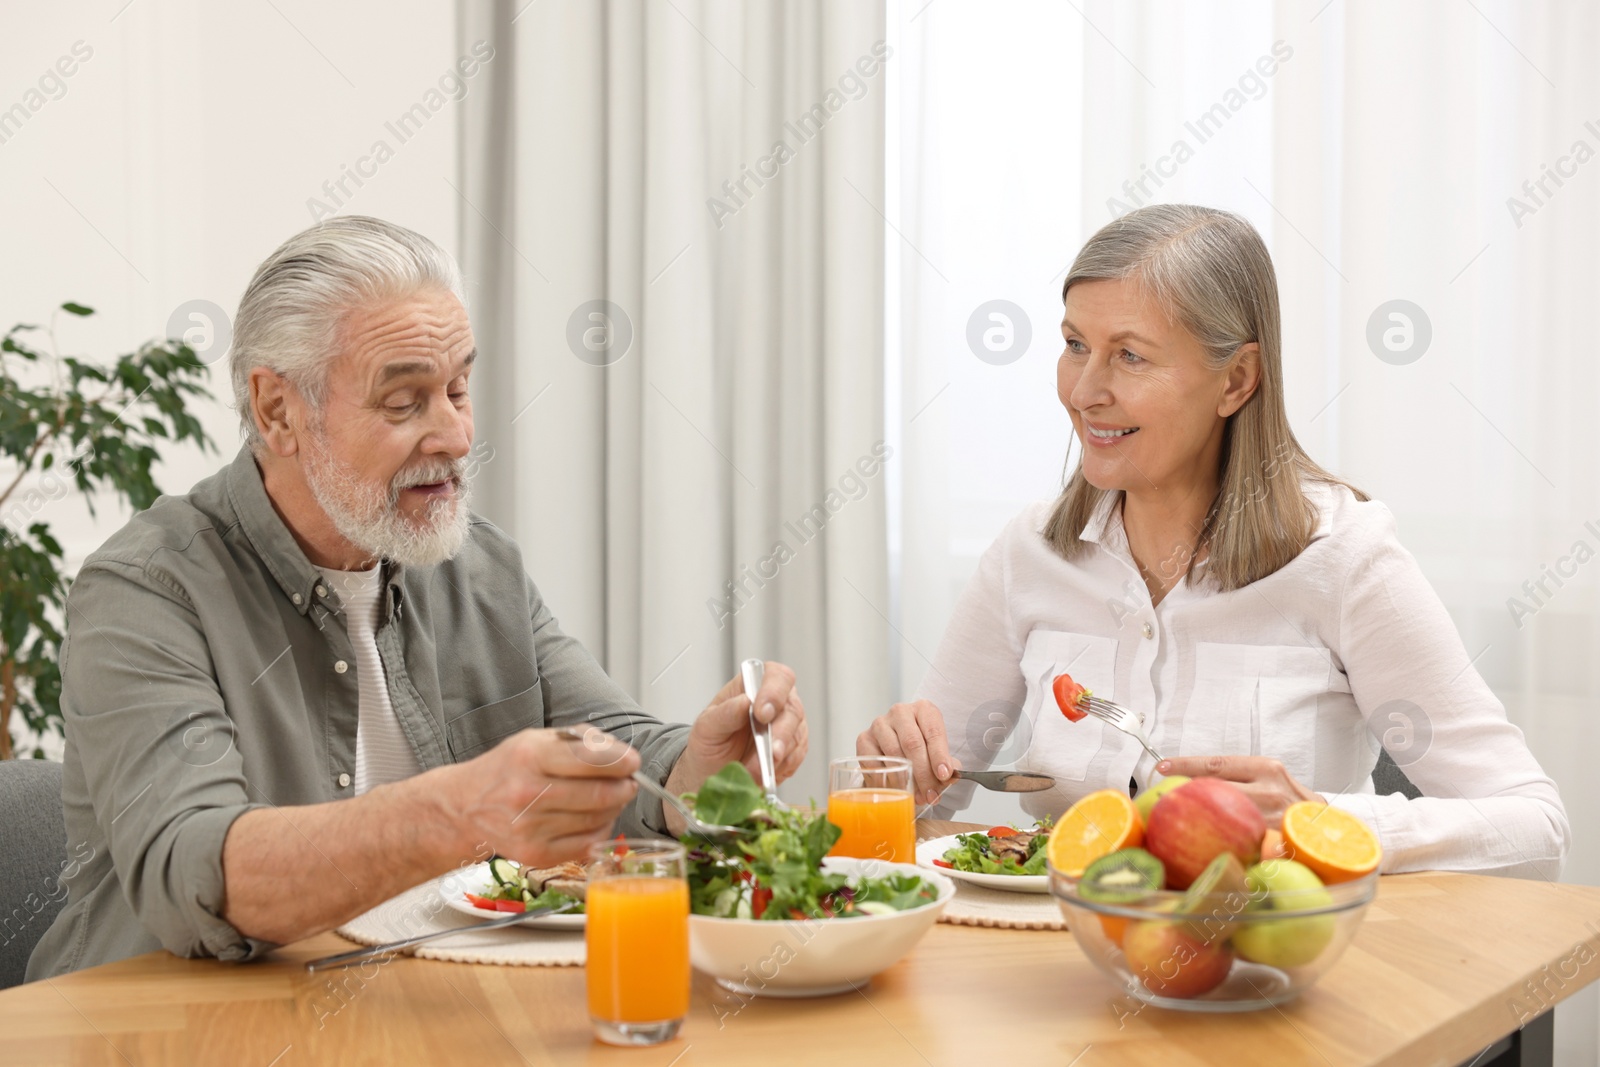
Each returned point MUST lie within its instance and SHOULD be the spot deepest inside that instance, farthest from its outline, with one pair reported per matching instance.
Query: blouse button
(297, 598)
(340, 667)
(1149, 631)
(322, 590)
(344, 781)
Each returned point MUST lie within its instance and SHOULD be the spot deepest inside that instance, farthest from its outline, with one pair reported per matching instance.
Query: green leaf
(76, 309)
(727, 797)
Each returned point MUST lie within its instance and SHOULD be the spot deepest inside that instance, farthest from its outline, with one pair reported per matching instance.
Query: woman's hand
(1263, 779)
(915, 732)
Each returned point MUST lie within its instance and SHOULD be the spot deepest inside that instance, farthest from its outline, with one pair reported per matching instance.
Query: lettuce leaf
(728, 797)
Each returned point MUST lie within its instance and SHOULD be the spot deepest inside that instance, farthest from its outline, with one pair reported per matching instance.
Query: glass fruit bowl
(1226, 951)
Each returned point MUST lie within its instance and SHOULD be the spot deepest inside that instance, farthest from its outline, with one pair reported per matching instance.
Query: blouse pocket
(476, 731)
(1258, 700)
(1060, 747)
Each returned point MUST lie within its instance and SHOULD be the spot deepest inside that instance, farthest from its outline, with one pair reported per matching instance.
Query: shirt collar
(278, 549)
(1104, 528)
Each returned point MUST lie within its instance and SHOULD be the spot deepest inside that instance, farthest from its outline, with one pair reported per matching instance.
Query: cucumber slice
(505, 873)
(877, 907)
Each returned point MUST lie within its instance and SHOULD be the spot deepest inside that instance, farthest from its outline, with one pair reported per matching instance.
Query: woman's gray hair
(294, 308)
(1211, 273)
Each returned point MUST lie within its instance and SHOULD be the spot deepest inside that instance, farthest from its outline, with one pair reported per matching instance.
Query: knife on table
(1006, 781)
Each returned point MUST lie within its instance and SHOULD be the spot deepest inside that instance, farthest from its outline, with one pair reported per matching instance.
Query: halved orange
(1099, 824)
(1335, 844)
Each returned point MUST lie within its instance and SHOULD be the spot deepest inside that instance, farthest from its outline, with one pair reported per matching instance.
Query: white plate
(929, 851)
(454, 886)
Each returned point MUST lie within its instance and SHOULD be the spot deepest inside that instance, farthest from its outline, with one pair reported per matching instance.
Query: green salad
(517, 888)
(1002, 850)
(775, 871)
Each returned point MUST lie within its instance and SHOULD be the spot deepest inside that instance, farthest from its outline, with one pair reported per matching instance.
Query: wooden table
(1440, 968)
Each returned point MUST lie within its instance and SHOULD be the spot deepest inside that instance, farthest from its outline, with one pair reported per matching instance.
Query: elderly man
(318, 679)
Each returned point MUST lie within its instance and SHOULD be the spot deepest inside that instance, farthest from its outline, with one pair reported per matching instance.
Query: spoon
(709, 831)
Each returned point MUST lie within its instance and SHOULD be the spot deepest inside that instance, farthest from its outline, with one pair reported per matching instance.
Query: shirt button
(297, 598)
(340, 667)
(344, 781)
(1149, 631)
(322, 590)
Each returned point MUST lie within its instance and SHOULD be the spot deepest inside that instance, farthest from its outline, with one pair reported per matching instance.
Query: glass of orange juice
(869, 798)
(637, 935)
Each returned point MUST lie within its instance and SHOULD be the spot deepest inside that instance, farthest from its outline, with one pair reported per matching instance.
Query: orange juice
(638, 945)
(877, 823)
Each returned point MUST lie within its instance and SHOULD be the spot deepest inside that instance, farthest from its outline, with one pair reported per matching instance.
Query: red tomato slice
(510, 905)
(1002, 831)
(759, 899)
(486, 903)
(942, 863)
(1068, 696)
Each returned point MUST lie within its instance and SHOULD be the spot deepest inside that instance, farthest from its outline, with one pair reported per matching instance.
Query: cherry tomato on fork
(1070, 696)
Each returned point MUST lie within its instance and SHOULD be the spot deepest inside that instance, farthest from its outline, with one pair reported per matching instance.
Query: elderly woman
(1200, 569)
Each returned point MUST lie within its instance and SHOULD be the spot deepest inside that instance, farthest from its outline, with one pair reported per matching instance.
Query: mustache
(428, 472)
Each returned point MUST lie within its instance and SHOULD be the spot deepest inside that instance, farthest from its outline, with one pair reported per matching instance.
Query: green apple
(1147, 800)
(1284, 885)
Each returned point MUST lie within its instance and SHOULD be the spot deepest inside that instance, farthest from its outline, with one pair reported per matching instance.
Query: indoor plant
(83, 427)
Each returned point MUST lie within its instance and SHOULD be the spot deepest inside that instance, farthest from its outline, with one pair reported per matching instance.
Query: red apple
(1197, 822)
(1170, 962)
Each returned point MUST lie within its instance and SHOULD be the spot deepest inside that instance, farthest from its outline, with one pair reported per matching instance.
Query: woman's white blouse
(1314, 665)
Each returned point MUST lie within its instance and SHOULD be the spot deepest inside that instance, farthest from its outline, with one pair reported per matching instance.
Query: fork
(1120, 717)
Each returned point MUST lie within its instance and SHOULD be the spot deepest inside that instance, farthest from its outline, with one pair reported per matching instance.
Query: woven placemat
(973, 905)
(421, 910)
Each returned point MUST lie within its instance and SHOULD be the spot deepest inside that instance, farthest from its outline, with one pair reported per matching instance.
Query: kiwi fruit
(1123, 877)
(1216, 898)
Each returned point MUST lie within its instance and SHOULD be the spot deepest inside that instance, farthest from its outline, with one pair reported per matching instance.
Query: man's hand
(1264, 780)
(540, 799)
(722, 733)
(916, 732)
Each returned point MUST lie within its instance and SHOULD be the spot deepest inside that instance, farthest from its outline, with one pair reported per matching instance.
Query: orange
(1272, 845)
(1099, 824)
(1335, 844)
(1114, 926)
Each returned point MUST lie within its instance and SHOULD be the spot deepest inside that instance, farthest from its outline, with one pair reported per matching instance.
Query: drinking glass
(869, 798)
(637, 935)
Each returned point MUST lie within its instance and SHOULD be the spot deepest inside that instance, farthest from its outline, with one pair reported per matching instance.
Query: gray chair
(33, 852)
(1528, 1046)
(1387, 777)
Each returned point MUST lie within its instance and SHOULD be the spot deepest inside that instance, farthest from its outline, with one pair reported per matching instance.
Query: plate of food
(490, 889)
(1004, 857)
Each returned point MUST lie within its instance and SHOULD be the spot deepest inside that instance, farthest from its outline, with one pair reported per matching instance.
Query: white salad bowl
(814, 957)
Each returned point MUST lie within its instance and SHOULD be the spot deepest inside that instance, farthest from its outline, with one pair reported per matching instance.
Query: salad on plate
(517, 888)
(1000, 850)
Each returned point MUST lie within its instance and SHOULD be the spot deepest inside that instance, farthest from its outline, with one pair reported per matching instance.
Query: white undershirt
(1310, 665)
(382, 752)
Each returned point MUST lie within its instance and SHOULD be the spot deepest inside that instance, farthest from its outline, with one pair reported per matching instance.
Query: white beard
(369, 517)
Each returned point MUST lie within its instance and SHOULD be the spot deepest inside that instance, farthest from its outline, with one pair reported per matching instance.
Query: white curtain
(1383, 152)
(672, 230)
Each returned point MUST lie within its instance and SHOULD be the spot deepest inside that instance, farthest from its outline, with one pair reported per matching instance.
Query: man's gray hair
(292, 311)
